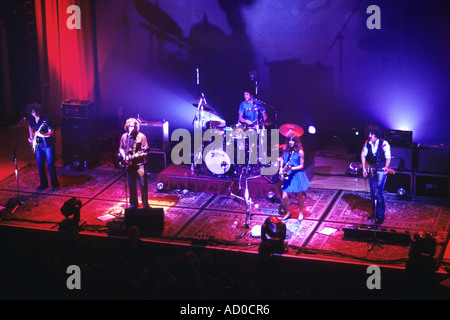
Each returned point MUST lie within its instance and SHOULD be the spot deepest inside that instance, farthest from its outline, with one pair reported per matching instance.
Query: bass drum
(218, 161)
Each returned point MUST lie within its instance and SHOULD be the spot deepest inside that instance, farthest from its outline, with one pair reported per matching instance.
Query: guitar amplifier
(157, 161)
(433, 159)
(157, 133)
(403, 158)
(77, 109)
(398, 138)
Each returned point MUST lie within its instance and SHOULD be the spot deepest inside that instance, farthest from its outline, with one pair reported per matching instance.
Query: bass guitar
(128, 161)
(36, 140)
(371, 170)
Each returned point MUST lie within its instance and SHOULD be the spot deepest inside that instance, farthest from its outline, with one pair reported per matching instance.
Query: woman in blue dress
(295, 181)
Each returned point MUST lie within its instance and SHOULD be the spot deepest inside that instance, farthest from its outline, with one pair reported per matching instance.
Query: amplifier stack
(79, 134)
(421, 170)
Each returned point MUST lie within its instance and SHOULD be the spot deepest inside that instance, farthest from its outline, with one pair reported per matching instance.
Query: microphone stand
(18, 203)
(16, 171)
(273, 108)
(375, 241)
(339, 37)
(247, 200)
(124, 173)
(198, 122)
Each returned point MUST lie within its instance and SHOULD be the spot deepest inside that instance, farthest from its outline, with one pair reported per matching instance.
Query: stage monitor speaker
(157, 133)
(368, 234)
(150, 221)
(79, 141)
(430, 185)
(402, 158)
(400, 180)
(433, 159)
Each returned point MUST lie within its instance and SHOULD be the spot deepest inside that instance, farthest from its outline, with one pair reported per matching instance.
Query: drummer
(250, 109)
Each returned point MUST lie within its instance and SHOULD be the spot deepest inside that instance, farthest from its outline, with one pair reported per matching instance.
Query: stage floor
(213, 219)
(220, 219)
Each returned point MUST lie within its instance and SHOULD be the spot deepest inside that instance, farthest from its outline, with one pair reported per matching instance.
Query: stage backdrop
(317, 61)
(66, 44)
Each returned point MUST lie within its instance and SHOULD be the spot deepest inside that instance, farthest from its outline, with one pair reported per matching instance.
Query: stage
(200, 214)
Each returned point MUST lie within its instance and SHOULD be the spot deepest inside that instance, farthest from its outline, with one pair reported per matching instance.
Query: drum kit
(231, 148)
(218, 155)
(242, 138)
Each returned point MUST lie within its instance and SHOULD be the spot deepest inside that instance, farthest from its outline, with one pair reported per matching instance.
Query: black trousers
(137, 176)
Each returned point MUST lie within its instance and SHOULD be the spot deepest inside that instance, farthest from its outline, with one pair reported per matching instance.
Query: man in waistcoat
(375, 159)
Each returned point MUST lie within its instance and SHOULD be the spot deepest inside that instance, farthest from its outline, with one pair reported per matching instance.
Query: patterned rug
(432, 215)
(219, 220)
(74, 183)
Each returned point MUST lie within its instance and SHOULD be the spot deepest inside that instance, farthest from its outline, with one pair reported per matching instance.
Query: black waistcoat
(377, 160)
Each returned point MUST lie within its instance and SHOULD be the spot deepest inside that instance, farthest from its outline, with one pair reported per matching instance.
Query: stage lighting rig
(71, 210)
(72, 207)
(273, 234)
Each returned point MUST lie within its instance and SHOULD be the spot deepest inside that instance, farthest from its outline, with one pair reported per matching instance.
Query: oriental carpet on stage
(218, 219)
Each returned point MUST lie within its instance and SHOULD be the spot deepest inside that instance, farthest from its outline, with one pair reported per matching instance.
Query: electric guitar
(128, 161)
(371, 170)
(284, 175)
(36, 140)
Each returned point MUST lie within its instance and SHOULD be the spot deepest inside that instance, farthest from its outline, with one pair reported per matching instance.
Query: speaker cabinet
(157, 133)
(429, 185)
(79, 140)
(402, 158)
(158, 161)
(150, 221)
(400, 180)
(432, 159)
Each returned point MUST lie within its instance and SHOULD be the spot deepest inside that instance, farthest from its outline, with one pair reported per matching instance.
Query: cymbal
(291, 129)
(205, 108)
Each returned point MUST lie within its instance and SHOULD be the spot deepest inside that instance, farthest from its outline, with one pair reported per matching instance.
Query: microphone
(204, 99)
(21, 121)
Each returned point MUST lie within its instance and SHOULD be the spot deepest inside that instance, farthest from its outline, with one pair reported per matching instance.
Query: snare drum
(218, 161)
(218, 124)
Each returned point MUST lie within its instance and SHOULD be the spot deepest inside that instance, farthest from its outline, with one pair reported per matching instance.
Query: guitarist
(292, 164)
(377, 153)
(132, 147)
(41, 137)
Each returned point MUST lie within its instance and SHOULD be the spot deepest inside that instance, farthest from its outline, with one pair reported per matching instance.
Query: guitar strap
(129, 148)
(289, 159)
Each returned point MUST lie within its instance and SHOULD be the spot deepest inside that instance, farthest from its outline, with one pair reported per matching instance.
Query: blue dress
(297, 181)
